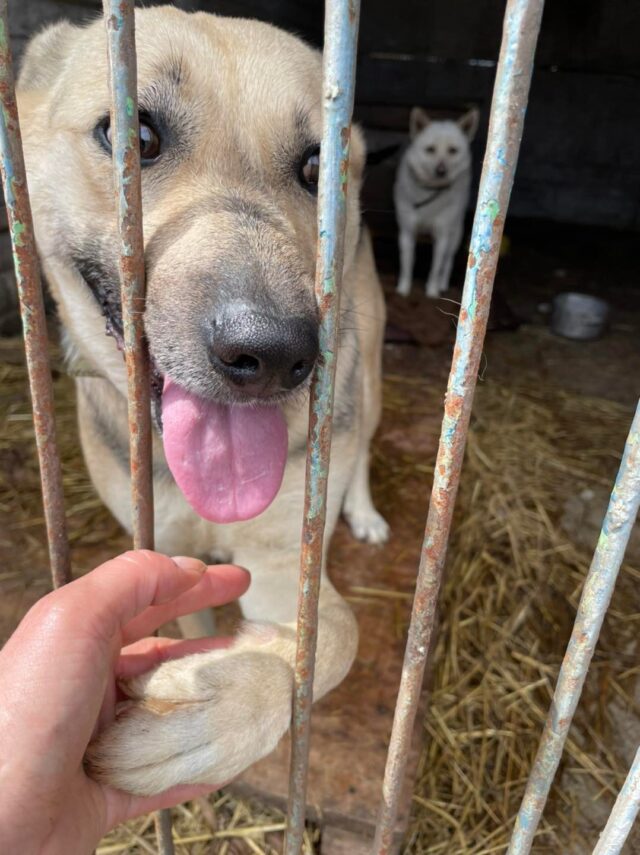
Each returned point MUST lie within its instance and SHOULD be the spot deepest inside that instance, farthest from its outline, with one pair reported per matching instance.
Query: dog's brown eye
(453, 149)
(309, 172)
(430, 149)
(150, 144)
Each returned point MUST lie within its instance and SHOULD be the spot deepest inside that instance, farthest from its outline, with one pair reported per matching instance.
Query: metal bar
(623, 815)
(164, 832)
(339, 63)
(598, 588)
(119, 17)
(36, 341)
(125, 130)
(510, 94)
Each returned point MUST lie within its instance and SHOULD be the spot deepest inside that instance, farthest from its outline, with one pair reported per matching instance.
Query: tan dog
(230, 128)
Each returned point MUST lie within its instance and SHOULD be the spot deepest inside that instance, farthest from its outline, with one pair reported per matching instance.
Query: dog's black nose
(262, 353)
(441, 170)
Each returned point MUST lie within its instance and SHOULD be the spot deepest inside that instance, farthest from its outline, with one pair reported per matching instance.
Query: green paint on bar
(18, 229)
(493, 209)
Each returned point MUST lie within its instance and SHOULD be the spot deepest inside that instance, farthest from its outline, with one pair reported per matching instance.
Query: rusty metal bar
(510, 94)
(36, 342)
(624, 814)
(339, 63)
(125, 130)
(125, 134)
(598, 588)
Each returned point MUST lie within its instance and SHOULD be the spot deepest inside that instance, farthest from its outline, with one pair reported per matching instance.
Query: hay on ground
(514, 577)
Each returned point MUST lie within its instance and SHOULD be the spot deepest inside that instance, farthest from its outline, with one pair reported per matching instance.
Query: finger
(219, 584)
(124, 587)
(122, 807)
(149, 652)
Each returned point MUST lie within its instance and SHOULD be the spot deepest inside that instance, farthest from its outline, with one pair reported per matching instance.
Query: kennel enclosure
(521, 27)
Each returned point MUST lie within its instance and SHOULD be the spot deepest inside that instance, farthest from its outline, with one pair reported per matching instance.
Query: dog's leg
(446, 244)
(440, 262)
(407, 247)
(205, 718)
(365, 521)
(455, 239)
(197, 625)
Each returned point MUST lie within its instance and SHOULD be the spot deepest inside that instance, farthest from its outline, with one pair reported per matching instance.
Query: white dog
(431, 193)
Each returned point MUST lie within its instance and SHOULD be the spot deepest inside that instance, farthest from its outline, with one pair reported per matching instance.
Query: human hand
(58, 685)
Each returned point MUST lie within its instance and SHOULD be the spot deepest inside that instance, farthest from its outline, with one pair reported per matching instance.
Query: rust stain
(33, 317)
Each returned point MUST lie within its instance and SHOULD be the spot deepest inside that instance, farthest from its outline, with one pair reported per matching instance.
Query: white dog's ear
(469, 122)
(418, 121)
(44, 57)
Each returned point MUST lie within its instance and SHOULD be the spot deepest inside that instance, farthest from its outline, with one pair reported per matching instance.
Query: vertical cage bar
(510, 94)
(339, 63)
(623, 815)
(596, 595)
(120, 25)
(119, 18)
(36, 342)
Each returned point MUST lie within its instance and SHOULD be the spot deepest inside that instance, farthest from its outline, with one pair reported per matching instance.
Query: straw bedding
(516, 565)
(538, 468)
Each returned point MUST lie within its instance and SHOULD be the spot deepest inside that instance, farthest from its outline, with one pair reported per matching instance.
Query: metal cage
(511, 89)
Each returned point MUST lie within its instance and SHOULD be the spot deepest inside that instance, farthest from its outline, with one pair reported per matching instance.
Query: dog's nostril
(300, 371)
(244, 362)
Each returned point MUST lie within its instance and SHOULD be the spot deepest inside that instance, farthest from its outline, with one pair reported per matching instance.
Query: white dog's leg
(445, 246)
(455, 239)
(439, 263)
(407, 246)
(205, 718)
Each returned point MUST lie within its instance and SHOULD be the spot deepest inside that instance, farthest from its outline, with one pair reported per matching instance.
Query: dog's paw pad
(369, 526)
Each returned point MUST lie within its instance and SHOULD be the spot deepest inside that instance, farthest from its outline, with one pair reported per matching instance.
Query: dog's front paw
(368, 525)
(403, 287)
(200, 719)
(433, 289)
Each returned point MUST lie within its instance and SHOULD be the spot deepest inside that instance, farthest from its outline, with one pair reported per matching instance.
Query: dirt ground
(539, 261)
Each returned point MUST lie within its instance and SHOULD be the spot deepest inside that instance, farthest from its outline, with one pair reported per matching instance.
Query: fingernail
(193, 564)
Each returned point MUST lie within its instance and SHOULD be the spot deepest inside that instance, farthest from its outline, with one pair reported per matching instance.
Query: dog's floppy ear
(418, 121)
(469, 122)
(44, 56)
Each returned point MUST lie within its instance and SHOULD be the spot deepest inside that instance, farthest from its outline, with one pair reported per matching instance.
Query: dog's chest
(427, 207)
(430, 208)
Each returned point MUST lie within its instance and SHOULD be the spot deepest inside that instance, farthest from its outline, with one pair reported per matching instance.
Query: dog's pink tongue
(227, 460)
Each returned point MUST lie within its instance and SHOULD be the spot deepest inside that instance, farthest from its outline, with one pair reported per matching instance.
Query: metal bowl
(579, 316)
